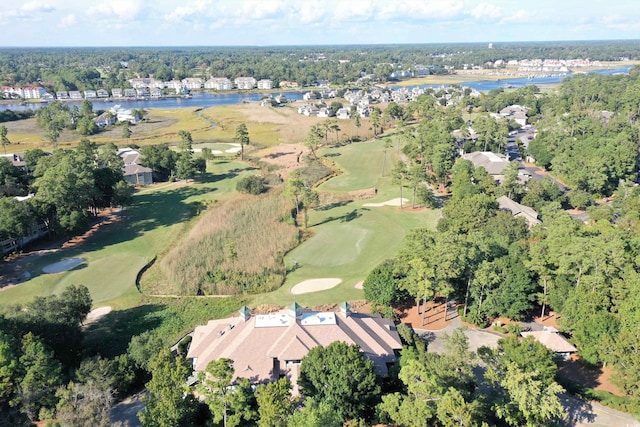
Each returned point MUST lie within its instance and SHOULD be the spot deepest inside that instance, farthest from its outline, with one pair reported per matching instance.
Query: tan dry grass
(251, 224)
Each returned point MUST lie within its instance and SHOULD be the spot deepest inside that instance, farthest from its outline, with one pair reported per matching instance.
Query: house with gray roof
(518, 210)
(134, 173)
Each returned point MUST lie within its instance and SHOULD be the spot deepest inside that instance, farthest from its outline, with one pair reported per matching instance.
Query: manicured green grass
(361, 164)
(115, 253)
(349, 239)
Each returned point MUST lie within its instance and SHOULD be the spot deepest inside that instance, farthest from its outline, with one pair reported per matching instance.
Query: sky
(310, 22)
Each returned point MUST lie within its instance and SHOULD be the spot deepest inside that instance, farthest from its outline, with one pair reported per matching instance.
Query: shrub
(580, 199)
(253, 184)
(514, 328)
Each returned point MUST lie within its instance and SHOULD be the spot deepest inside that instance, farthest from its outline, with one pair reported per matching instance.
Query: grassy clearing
(115, 254)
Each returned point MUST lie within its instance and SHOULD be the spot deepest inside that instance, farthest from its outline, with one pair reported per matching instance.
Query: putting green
(119, 271)
(322, 250)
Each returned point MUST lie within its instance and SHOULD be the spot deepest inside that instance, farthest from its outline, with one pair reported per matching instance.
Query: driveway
(539, 173)
(592, 414)
(126, 412)
(477, 338)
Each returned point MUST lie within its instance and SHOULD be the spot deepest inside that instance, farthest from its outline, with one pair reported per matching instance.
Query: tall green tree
(41, 375)
(168, 403)
(341, 376)
(275, 403)
(229, 403)
(8, 368)
(398, 176)
(3, 138)
(242, 138)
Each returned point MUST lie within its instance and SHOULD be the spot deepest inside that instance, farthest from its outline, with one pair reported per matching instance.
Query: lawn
(349, 239)
(115, 254)
(361, 165)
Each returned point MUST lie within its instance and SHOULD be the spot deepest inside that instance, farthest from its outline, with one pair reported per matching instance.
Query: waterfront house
(62, 94)
(245, 82)
(90, 94)
(102, 93)
(155, 92)
(116, 93)
(75, 95)
(130, 93)
(192, 83)
(265, 84)
(27, 92)
(105, 119)
(218, 83)
(288, 84)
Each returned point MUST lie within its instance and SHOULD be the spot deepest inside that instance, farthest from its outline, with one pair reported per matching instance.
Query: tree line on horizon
(95, 68)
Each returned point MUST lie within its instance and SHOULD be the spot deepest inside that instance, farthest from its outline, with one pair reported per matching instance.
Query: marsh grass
(235, 247)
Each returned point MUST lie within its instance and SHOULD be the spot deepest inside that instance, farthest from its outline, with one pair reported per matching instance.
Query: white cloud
(264, 9)
(519, 17)
(68, 21)
(486, 11)
(311, 12)
(37, 6)
(189, 10)
(404, 10)
(124, 10)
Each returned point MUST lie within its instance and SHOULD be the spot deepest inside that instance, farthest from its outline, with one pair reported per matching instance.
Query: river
(207, 99)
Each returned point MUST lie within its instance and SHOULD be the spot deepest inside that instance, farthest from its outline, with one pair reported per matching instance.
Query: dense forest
(95, 68)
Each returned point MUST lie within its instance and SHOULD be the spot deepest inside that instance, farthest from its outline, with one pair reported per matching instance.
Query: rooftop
(266, 346)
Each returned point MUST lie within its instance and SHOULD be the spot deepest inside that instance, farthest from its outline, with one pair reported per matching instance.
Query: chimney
(345, 309)
(245, 313)
(295, 310)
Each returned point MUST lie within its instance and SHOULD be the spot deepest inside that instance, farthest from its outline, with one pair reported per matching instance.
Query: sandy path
(315, 285)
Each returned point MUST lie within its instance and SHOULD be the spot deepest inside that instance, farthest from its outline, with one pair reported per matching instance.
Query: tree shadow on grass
(347, 217)
(330, 206)
(110, 335)
(149, 211)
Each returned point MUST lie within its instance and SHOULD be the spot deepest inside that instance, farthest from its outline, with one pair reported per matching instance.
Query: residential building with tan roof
(518, 210)
(551, 339)
(269, 346)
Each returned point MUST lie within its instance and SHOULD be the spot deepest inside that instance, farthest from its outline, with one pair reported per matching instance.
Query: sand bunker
(392, 202)
(96, 314)
(64, 265)
(359, 285)
(315, 285)
(233, 150)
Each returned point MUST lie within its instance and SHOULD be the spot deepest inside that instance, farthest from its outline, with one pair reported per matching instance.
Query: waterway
(516, 82)
(207, 99)
(197, 100)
